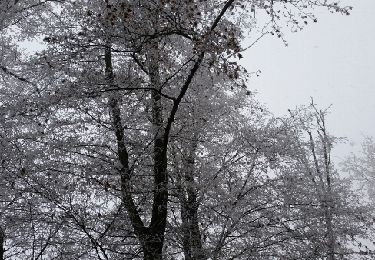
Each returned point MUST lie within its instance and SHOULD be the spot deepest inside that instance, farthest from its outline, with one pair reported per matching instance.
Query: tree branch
(7, 71)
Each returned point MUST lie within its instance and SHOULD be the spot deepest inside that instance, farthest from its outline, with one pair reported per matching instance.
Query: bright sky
(332, 61)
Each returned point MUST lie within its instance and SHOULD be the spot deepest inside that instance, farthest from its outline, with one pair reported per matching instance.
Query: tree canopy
(132, 134)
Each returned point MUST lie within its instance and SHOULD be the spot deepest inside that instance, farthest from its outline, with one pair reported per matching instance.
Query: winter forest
(132, 133)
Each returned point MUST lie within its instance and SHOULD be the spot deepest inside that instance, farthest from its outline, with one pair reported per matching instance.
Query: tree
(362, 167)
(320, 200)
(100, 107)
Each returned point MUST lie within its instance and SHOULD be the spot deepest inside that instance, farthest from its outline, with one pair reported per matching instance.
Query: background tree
(322, 202)
(362, 166)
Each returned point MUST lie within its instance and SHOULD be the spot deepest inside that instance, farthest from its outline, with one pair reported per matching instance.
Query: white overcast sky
(332, 61)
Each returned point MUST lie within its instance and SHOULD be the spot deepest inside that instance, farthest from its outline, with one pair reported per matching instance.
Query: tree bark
(329, 197)
(153, 249)
(154, 245)
(192, 242)
(328, 192)
(2, 242)
(331, 237)
(159, 207)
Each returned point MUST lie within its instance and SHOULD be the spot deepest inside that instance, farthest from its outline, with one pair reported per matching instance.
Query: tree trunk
(329, 197)
(326, 185)
(151, 238)
(160, 196)
(192, 242)
(329, 219)
(331, 238)
(153, 249)
(185, 226)
(2, 241)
